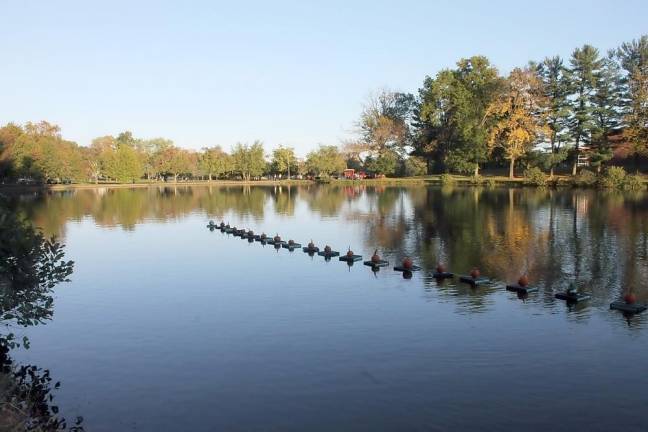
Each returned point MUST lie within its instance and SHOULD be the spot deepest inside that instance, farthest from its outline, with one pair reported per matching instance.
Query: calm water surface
(168, 326)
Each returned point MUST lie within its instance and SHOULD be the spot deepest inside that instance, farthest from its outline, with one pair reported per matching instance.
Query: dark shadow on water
(30, 267)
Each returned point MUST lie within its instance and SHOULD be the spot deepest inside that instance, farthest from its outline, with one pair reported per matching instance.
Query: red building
(351, 174)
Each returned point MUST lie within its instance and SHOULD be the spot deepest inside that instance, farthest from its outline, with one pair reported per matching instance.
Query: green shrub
(447, 179)
(585, 179)
(491, 183)
(415, 166)
(476, 180)
(614, 178)
(633, 183)
(534, 176)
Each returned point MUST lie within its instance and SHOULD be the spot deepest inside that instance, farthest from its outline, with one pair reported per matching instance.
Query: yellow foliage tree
(515, 117)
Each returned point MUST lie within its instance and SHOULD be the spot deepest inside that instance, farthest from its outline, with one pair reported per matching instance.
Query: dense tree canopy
(633, 57)
(451, 113)
(249, 160)
(214, 162)
(284, 160)
(325, 161)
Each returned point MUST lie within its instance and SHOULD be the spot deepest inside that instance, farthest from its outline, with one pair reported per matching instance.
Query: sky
(296, 73)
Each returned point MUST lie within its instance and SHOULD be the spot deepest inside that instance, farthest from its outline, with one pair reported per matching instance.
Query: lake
(167, 325)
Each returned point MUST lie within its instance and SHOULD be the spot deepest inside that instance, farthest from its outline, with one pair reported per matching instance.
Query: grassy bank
(59, 187)
(435, 179)
(559, 180)
(438, 179)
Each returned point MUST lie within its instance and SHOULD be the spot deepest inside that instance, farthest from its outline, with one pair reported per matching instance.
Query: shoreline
(404, 181)
(561, 181)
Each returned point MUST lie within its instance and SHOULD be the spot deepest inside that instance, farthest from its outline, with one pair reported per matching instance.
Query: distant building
(622, 153)
(351, 174)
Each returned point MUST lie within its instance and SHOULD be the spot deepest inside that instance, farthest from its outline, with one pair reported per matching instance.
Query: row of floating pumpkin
(350, 257)
(474, 278)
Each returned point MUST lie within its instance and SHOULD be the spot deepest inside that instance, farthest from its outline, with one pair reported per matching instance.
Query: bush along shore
(614, 178)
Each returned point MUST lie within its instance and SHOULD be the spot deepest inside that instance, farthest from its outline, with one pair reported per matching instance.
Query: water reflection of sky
(237, 336)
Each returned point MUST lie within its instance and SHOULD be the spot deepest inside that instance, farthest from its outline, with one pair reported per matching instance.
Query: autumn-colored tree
(514, 117)
(8, 136)
(353, 151)
(148, 151)
(174, 161)
(384, 124)
(100, 156)
(634, 60)
(41, 153)
(636, 132)
(91, 163)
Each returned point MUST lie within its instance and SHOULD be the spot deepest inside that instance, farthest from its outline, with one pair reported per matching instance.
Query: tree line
(541, 115)
(550, 114)
(38, 152)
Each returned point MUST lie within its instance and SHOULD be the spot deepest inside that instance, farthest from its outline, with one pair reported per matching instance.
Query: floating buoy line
(628, 305)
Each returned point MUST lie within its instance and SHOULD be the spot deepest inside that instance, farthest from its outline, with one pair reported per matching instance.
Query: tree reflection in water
(30, 267)
(594, 238)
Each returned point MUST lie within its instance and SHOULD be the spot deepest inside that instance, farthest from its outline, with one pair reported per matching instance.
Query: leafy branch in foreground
(30, 267)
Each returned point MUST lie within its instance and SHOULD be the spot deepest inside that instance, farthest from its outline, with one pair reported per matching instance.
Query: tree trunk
(553, 152)
(575, 167)
(512, 169)
(210, 177)
(175, 178)
(476, 169)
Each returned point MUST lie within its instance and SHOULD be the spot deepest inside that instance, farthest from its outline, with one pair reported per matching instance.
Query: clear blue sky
(204, 73)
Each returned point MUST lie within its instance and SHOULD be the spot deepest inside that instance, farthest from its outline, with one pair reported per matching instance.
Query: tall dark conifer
(585, 64)
(555, 85)
(607, 109)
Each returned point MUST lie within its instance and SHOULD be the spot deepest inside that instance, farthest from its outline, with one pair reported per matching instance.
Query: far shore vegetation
(579, 121)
